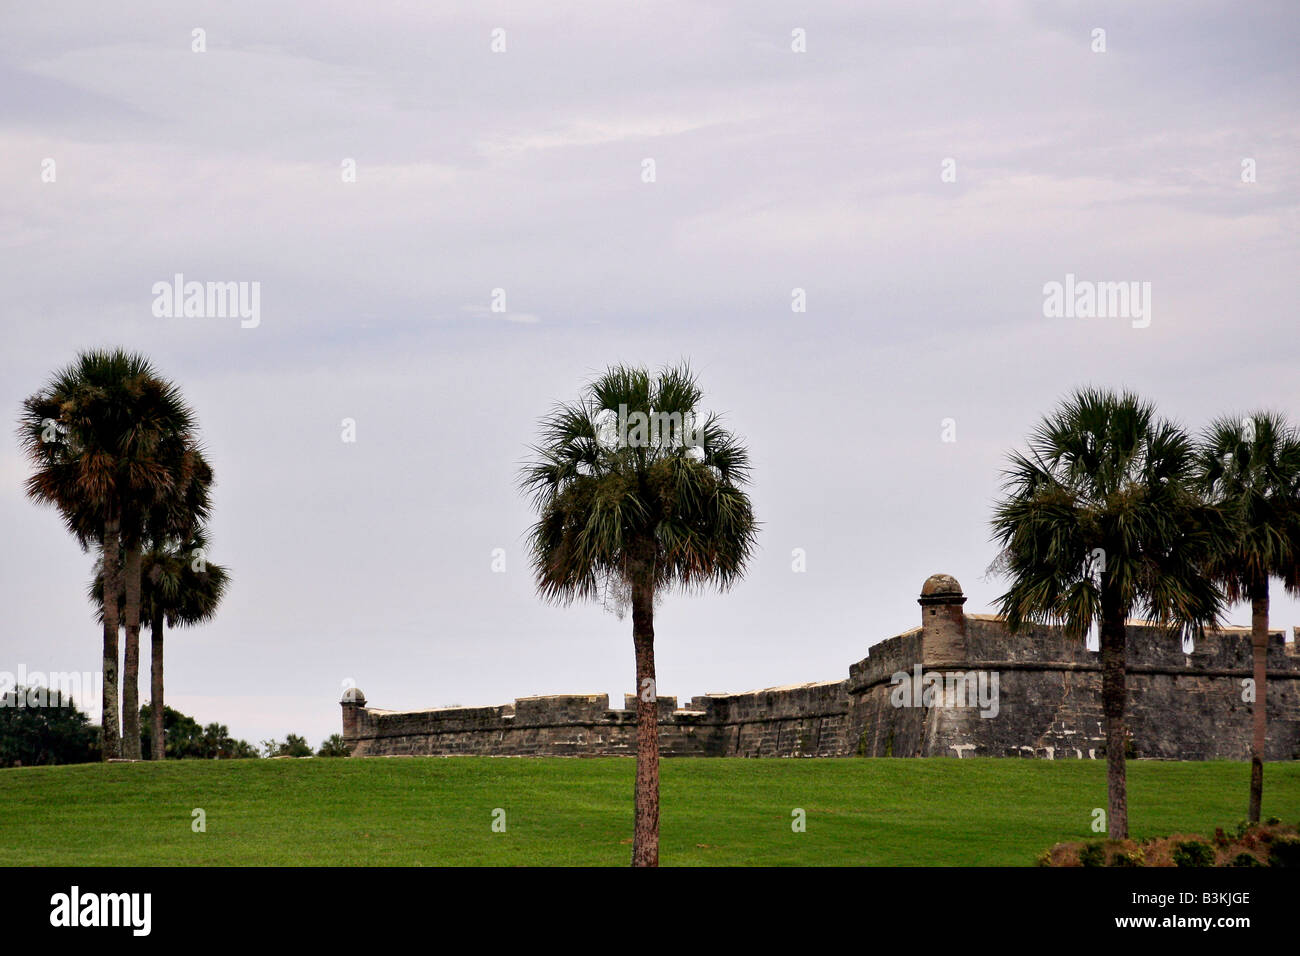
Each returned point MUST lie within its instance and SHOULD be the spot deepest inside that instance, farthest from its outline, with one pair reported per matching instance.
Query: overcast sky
(523, 170)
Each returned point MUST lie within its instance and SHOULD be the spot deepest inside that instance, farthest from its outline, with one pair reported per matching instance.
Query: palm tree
(635, 495)
(1101, 519)
(1251, 468)
(94, 435)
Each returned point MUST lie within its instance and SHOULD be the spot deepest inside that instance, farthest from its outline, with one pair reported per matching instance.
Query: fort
(959, 685)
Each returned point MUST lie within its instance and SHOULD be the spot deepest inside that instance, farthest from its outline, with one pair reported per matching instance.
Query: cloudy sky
(524, 170)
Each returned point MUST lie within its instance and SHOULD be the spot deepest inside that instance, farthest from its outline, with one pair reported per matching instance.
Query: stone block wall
(803, 720)
(1047, 703)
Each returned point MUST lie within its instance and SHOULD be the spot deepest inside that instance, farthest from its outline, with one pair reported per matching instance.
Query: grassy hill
(429, 811)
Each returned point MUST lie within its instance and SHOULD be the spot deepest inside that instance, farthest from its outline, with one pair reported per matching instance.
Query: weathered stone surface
(1183, 706)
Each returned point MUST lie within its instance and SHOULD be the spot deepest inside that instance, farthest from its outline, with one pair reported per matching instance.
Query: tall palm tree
(180, 588)
(94, 435)
(1251, 468)
(637, 494)
(1102, 519)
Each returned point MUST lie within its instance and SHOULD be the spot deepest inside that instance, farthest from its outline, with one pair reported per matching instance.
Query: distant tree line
(183, 737)
(61, 734)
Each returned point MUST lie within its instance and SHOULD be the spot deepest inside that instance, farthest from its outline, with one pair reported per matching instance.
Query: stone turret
(943, 622)
(352, 703)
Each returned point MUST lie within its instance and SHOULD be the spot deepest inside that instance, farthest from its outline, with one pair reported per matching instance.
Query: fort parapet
(958, 685)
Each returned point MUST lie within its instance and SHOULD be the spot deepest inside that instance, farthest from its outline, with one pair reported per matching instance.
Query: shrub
(183, 737)
(1193, 853)
(333, 746)
(1245, 859)
(47, 729)
(1133, 857)
(293, 746)
(1285, 852)
(1092, 854)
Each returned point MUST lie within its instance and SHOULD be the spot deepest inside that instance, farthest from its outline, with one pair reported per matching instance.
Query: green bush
(1285, 852)
(1245, 859)
(1092, 854)
(333, 746)
(183, 737)
(1193, 853)
(1128, 858)
(293, 746)
(39, 726)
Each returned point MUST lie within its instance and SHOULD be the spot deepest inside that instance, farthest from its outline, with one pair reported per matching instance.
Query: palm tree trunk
(1114, 653)
(158, 744)
(645, 834)
(131, 655)
(1259, 650)
(109, 735)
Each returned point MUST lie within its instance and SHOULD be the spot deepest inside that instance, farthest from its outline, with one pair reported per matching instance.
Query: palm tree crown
(1104, 506)
(100, 434)
(176, 587)
(618, 504)
(1250, 467)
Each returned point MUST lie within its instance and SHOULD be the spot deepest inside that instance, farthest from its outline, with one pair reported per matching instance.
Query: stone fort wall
(1037, 694)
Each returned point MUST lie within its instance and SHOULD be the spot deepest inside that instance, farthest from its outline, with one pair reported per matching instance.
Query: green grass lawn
(430, 811)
